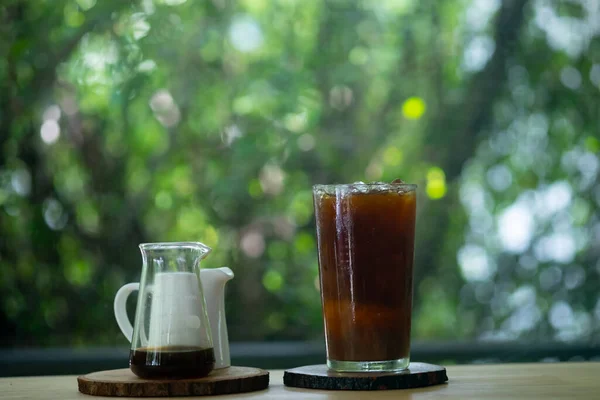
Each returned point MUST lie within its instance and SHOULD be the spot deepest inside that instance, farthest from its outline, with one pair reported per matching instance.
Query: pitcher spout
(226, 273)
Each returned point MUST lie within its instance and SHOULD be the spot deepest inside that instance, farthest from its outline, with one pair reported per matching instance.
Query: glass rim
(175, 245)
(373, 185)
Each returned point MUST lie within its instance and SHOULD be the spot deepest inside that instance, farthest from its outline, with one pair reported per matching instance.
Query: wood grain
(123, 383)
(320, 377)
(532, 381)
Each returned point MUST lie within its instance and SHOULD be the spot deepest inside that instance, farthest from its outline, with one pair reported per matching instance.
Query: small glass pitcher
(171, 337)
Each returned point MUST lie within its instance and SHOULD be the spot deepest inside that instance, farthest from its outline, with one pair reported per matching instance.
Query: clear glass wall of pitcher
(171, 335)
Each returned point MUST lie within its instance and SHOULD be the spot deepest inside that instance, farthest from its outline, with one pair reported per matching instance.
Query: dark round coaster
(320, 377)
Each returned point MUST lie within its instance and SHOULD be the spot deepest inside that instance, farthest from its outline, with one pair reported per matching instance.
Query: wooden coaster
(320, 377)
(123, 383)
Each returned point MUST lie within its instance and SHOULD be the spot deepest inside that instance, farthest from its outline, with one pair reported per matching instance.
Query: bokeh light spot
(272, 280)
(73, 17)
(306, 142)
(255, 189)
(559, 247)
(296, 122)
(231, 133)
(478, 52)
(210, 236)
(165, 109)
(435, 173)
(436, 189)
(392, 156)
(413, 108)
(570, 77)
(50, 131)
(304, 243)
(358, 56)
(243, 105)
(561, 315)
(271, 179)
(515, 228)
(340, 97)
(245, 34)
(499, 177)
(86, 4)
(277, 250)
(255, 6)
(436, 183)
(374, 171)
(550, 277)
(253, 244)
(592, 144)
(301, 208)
(190, 222)
(140, 28)
(276, 321)
(21, 182)
(475, 264)
(595, 74)
(78, 273)
(54, 214)
(146, 66)
(87, 217)
(163, 200)
(51, 113)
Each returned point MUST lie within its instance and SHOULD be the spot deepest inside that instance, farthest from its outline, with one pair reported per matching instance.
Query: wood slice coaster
(123, 383)
(320, 377)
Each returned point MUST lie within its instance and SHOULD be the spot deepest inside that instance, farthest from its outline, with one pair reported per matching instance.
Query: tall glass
(365, 236)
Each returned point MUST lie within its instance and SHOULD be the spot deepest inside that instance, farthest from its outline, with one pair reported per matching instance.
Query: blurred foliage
(124, 122)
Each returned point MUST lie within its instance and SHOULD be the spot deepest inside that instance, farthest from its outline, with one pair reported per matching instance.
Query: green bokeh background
(123, 122)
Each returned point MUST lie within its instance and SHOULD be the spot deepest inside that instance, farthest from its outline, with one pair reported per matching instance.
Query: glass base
(369, 366)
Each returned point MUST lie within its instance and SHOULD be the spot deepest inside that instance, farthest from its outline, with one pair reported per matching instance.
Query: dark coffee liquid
(366, 246)
(171, 362)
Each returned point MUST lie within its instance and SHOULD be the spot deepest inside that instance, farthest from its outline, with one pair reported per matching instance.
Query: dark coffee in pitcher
(172, 362)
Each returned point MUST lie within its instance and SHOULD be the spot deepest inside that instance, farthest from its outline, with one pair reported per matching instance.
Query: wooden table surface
(505, 381)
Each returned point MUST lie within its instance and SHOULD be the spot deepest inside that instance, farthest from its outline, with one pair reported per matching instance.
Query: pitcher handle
(121, 311)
